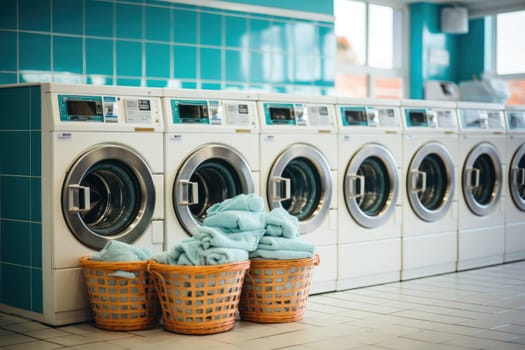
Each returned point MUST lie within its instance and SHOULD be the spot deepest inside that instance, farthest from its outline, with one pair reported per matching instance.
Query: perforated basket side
(199, 299)
(276, 291)
(121, 303)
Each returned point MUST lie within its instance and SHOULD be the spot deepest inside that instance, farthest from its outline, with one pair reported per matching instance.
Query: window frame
(373, 72)
(491, 62)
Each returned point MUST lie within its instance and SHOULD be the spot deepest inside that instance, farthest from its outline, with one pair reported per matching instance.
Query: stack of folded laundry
(116, 251)
(282, 239)
(231, 229)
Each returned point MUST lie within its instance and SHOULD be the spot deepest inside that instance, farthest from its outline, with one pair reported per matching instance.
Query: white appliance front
(515, 189)
(102, 179)
(481, 237)
(298, 163)
(430, 162)
(211, 154)
(369, 185)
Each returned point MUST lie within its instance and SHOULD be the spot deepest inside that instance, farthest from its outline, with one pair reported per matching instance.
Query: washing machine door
(300, 181)
(430, 181)
(482, 176)
(108, 193)
(517, 178)
(371, 186)
(209, 175)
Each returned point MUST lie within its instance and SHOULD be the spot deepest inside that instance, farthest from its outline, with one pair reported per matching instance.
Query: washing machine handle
(189, 192)
(468, 173)
(74, 198)
(415, 175)
(281, 189)
(518, 176)
(351, 186)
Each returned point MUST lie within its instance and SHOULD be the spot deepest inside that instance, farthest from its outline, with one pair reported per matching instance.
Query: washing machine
(430, 200)
(298, 164)
(369, 185)
(211, 154)
(515, 189)
(98, 151)
(481, 236)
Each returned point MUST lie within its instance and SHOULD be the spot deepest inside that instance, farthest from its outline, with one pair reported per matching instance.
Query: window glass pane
(350, 85)
(350, 20)
(510, 44)
(387, 87)
(517, 91)
(381, 36)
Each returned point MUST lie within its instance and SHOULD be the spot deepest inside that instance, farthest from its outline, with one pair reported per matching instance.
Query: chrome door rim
(389, 162)
(516, 178)
(143, 176)
(204, 153)
(483, 148)
(322, 167)
(444, 156)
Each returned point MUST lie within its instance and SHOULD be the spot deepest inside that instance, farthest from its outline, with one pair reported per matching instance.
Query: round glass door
(210, 175)
(430, 181)
(300, 181)
(108, 194)
(371, 186)
(517, 178)
(482, 176)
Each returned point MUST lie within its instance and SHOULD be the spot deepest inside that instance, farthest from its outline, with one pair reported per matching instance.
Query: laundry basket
(276, 291)
(199, 299)
(122, 295)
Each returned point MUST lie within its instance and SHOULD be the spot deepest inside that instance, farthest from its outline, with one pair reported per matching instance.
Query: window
(369, 49)
(510, 53)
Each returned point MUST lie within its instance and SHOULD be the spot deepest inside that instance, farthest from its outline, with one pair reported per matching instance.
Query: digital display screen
(281, 114)
(417, 118)
(323, 110)
(243, 109)
(84, 108)
(353, 116)
(517, 120)
(193, 111)
(144, 105)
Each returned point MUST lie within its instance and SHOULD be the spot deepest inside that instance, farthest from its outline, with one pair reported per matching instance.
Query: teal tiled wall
(164, 44)
(20, 198)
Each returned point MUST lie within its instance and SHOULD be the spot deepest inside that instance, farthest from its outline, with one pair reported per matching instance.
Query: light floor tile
(476, 309)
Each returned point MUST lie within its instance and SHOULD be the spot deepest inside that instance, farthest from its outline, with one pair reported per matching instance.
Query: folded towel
(286, 244)
(217, 237)
(280, 254)
(236, 220)
(246, 202)
(116, 251)
(186, 252)
(216, 256)
(280, 223)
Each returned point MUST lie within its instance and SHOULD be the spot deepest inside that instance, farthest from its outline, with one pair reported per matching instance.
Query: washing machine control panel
(429, 118)
(109, 109)
(365, 116)
(482, 119)
(298, 114)
(213, 112)
(516, 120)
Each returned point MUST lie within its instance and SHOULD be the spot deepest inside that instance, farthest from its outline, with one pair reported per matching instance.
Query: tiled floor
(477, 309)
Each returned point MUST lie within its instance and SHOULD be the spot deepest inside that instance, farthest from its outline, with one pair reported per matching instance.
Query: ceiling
(481, 7)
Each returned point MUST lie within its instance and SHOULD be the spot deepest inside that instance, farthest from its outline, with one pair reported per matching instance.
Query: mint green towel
(187, 252)
(216, 237)
(245, 202)
(280, 223)
(216, 256)
(236, 220)
(280, 254)
(116, 251)
(285, 244)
